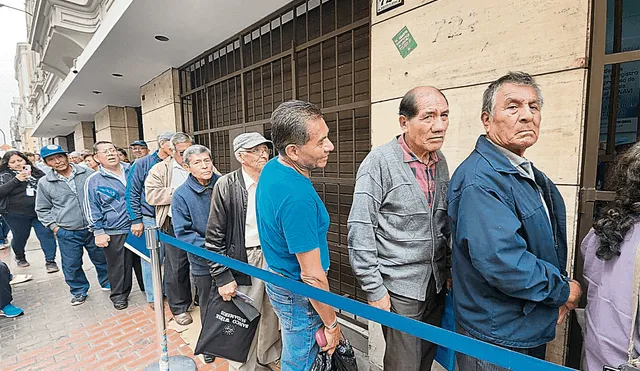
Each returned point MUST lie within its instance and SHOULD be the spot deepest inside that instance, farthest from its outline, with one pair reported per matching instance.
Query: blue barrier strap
(460, 343)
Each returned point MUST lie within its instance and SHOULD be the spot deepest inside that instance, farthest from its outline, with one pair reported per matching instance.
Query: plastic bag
(343, 359)
(444, 356)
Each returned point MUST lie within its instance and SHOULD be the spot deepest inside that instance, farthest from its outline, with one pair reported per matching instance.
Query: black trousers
(203, 285)
(119, 267)
(5, 287)
(177, 280)
(406, 352)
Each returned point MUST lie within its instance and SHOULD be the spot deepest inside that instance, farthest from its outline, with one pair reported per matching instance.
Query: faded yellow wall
(117, 124)
(463, 45)
(160, 99)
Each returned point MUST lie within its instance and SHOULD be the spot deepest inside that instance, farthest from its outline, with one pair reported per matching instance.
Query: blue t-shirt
(291, 219)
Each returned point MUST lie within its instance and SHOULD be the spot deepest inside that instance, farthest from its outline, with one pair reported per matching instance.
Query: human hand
(449, 283)
(562, 314)
(575, 292)
(137, 229)
(22, 176)
(55, 230)
(102, 240)
(228, 291)
(333, 339)
(384, 303)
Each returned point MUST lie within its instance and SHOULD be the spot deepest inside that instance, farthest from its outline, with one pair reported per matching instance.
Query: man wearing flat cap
(233, 231)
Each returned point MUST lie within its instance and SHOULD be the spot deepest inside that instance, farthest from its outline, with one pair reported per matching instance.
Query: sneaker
(19, 278)
(208, 358)
(52, 267)
(10, 311)
(106, 287)
(23, 263)
(78, 299)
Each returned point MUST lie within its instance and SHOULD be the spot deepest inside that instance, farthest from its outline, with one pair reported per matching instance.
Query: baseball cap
(249, 140)
(50, 150)
(139, 143)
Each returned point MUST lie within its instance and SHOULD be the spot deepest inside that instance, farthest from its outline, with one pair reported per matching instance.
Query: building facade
(123, 73)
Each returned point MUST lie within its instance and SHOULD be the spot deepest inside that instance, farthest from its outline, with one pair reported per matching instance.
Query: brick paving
(53, 335)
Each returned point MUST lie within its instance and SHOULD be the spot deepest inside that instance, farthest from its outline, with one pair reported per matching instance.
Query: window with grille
(315, 50)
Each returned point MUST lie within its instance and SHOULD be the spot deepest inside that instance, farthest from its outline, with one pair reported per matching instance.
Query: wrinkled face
(425, 132)
(315, 153)
(165, 147)
(91, 162)
(515, 123)
(201, 166)
(75, 159)
(255, 158)
(179, 150)
(107, 155)
(139, 151)
(58, 162)
(16, 163)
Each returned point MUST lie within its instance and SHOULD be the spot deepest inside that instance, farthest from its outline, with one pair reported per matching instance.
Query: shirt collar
(248, 181)
(71, 176)
(409, 156)
(519, 162)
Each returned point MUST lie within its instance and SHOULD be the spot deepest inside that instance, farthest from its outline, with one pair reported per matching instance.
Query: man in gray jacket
(399, 236)
(232, 230)
(59, 205)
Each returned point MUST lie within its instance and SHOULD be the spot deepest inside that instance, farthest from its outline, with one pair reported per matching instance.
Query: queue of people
(493, 233)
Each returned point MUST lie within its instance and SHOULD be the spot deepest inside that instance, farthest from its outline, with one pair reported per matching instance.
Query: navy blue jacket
(137, 205)
(509, 261)
(190, 205)
(104, 203)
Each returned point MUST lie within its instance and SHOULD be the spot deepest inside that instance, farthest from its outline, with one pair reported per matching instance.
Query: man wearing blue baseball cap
(59, 204)
(139, 149)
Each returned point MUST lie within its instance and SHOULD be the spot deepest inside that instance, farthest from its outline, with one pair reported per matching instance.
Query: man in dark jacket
(140, 212)
(59, 205)
(233, 231)
(509, 231)
(190, 209)
(399, 229)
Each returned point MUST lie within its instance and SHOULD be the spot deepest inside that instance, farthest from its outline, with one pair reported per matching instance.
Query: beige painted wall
(461, 47)
(83, 136)
(161, 106)
(117, 124)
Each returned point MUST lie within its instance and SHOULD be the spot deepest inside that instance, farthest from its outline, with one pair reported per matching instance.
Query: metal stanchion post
(165, 363)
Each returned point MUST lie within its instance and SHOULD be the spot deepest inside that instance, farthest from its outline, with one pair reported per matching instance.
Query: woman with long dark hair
(18, 187)
(609, 252)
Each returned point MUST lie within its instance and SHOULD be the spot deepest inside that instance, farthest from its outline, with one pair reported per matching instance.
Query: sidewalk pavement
(53, 335)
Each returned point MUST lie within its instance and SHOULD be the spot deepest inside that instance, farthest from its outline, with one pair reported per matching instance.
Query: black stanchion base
(176, 363)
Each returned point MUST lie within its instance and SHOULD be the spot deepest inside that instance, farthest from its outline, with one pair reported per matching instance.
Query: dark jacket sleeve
(216, 237)
(8, 183)
(133, 193)
(490, 230)
(182, 222)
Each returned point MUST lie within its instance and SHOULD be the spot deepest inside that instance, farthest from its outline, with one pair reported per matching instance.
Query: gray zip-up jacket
(57, 205)
(396, 241)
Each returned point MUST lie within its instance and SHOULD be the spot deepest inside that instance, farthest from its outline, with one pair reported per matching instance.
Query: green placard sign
(405, 42)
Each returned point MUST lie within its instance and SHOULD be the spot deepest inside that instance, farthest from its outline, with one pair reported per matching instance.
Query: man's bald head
(409, 107)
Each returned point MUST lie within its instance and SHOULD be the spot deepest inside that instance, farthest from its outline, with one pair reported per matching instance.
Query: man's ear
(485, 117)
(291, 151)
(403, 121)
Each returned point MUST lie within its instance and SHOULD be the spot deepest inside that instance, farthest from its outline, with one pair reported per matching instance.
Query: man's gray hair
(516, 78)
(289, 123)
(195, 150)
(178, 138)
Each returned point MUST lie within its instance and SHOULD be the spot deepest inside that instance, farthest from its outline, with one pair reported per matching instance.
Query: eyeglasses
(259, 151)
(109, 151)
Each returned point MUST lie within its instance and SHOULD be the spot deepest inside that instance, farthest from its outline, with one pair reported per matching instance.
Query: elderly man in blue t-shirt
(293, 224)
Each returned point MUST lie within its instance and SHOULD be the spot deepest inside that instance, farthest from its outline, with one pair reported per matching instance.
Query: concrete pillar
(62, 142)
(83, 136)
(160, 99)
(118, 125)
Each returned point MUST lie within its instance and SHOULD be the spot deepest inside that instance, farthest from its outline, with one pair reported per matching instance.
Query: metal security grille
(314, 50)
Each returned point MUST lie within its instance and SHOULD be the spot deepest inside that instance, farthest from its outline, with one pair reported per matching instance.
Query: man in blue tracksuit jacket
(140, 212)
(106, 211)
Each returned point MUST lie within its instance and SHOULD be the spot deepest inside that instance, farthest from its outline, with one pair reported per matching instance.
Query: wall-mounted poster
(386, 5)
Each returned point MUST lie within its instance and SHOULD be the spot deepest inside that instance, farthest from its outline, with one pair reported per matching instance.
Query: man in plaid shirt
(399, 235)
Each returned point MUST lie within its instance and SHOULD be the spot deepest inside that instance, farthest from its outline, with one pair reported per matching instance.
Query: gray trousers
(468, 363)
(409, 353)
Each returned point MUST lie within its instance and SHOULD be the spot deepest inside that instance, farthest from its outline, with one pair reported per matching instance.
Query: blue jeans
(71, 250)
(299, 321)
(4, 230)
(21, 225)
(147, 276)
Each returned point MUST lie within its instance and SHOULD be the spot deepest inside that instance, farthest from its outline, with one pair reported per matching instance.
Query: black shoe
(208, 358)
(51, 266)
(78, 299)
(22, 263)
(120, 305)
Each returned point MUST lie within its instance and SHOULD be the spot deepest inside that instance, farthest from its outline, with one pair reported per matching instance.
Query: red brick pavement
(124, 341)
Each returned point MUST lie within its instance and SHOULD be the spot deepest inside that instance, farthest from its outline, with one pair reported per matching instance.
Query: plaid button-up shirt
(425, 173)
